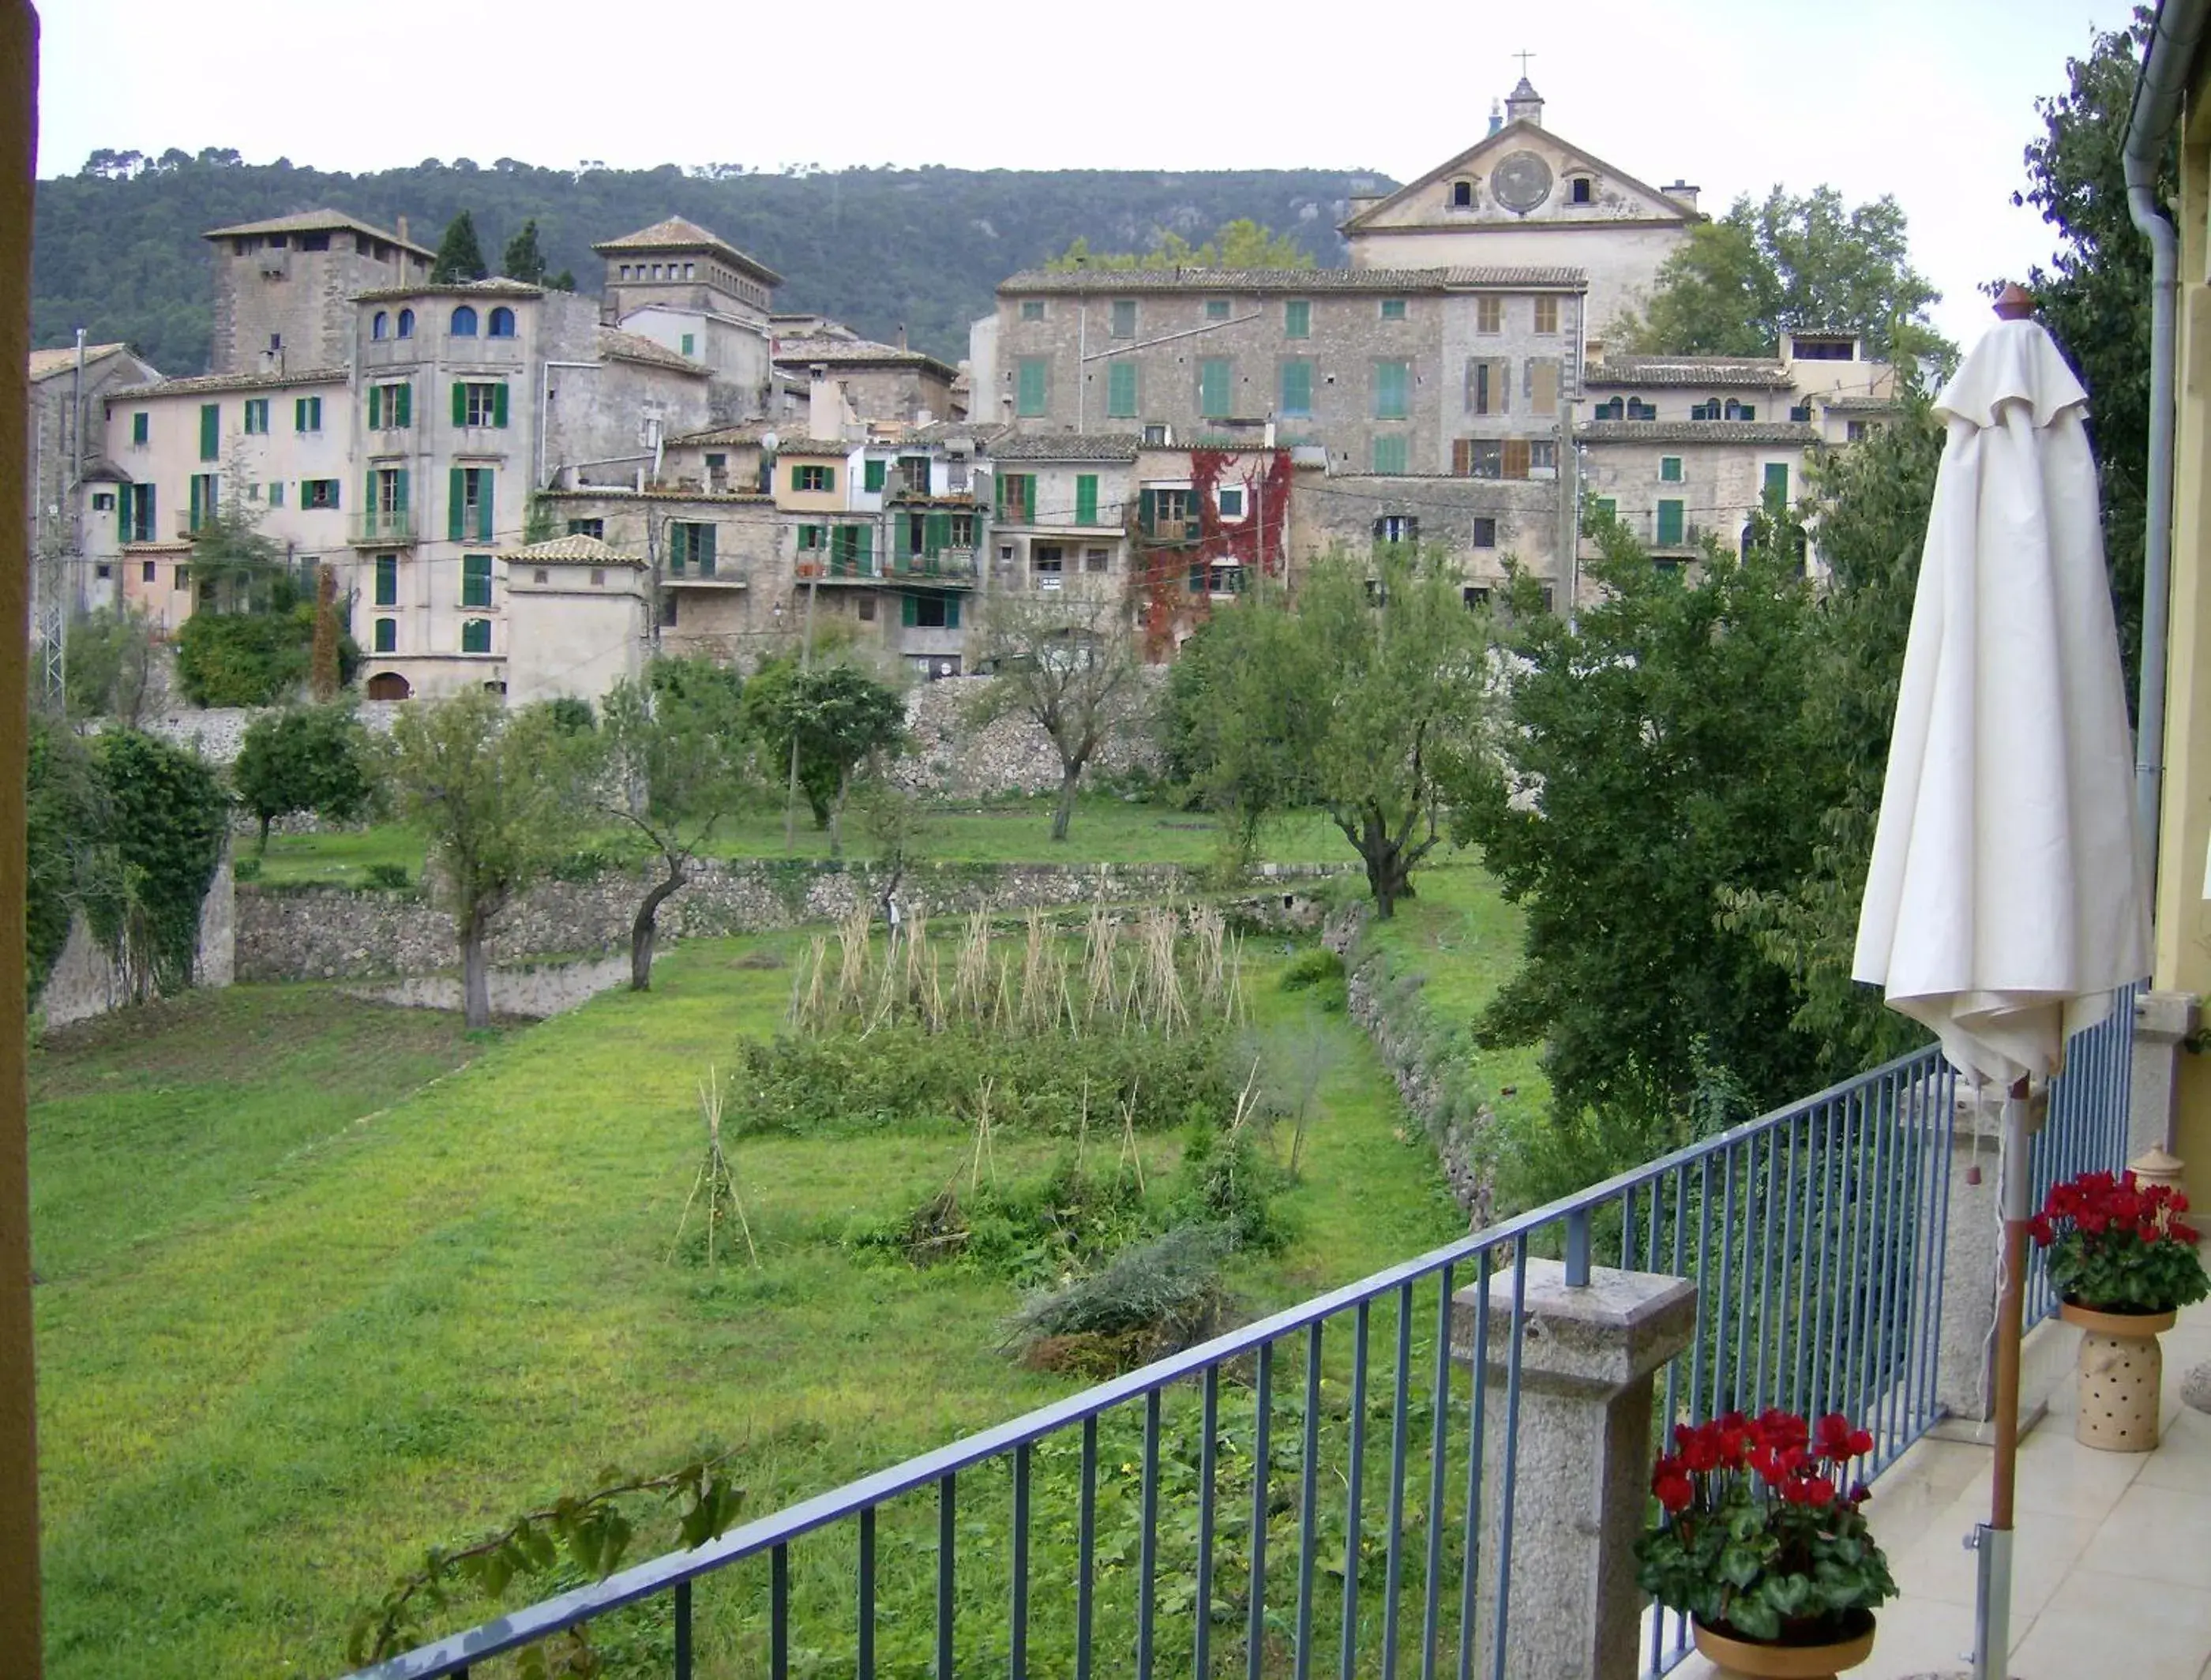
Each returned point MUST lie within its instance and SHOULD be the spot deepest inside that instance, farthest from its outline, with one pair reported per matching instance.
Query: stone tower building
(284, 287)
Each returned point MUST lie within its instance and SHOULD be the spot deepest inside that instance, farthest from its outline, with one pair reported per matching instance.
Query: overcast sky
(1929, 100)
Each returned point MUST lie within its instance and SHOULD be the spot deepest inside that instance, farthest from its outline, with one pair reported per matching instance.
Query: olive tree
(1068, 667)
(491, 794)
(671, 759)
(305, 758)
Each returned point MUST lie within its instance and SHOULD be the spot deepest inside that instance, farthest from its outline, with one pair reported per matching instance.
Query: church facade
(1524, 197)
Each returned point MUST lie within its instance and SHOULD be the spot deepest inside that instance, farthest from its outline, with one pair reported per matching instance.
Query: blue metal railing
(1211, 1514)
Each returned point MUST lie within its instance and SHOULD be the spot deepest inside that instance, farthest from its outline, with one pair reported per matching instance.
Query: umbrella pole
(1993, 1543)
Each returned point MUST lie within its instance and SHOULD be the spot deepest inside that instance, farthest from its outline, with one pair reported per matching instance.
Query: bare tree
(1066, 665)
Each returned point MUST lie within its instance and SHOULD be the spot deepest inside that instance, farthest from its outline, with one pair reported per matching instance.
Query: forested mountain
(119, 251)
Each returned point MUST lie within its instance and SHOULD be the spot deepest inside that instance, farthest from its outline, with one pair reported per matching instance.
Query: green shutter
(1391, 379)
(1297, 319)
(873, 479)
(1029, 391)
(399, 490)
(998, 493)
(829, 479)
(1389, 454)
(909, 610)
(376, 407)
(196, 502)
(484, 500)
(210, 431)
(702, 548)
(140, 424)
(936, 532)
(1086, 498)
(1776, 483)
(1670, 524)
(1297, 388)
(499, 403)
(1121, 390)
(299, 414)
(952, 614)
(457, 498)
(1212, 387)
(368, 508)
(460, 403)
(865, 542)
(123, 512)
(402, 403)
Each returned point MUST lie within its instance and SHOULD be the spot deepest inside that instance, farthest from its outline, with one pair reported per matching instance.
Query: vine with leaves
(588, 1534)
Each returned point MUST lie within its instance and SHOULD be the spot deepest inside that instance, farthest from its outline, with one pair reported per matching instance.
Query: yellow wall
(2184, 918)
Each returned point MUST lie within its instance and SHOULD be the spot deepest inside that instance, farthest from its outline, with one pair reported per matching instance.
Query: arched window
(407, 323)
(1582, 191)
(1734, 410)
(380, 326)
(1462, 195)
(465, 322)
(502, 322)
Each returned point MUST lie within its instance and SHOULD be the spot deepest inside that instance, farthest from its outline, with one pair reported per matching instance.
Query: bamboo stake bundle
(1001, 1007)
(918, 960)
(1037, 1006)
(852, 968)
(984, 1154)
(935, 1005)
(1131, 1155)
(971, 978)
(811, 1012)
(1100, 941)
(716, 1182)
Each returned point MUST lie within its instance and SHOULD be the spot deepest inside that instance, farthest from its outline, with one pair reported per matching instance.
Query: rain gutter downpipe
(2158, 96)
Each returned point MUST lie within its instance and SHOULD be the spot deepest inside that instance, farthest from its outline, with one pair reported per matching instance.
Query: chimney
(1682, 193)
(403, 230)
(901, 335)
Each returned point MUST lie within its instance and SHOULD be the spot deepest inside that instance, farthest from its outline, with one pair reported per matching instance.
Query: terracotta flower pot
(2121, 1377)
(1755, 1659)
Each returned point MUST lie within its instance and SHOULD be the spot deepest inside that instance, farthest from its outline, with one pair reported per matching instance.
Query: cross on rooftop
(1523, 58)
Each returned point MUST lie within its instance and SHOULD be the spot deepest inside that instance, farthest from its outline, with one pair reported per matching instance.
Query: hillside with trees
(120, 252)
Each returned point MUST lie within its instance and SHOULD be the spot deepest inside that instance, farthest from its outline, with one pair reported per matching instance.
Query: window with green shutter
(1393, 383)
(140, 423)
(1125, 317)
(1016, 497)
(814, 480)
(476, 580)
(872, 480)
(257, 416)
(936, 534)
(1121, 390)
(1777, 484)
(1669, 469)
(1216, 309)
(1389, 453)
(1670, 524)
(387, 584)
(691, 548)
(387, 635)
(476, 635)
(1212, 387)
(307, 414)
(1297, 388)
(1297, 318)
(1393, 309)
(1029, 387)
(1032, 309)
(204, 489)
(468, 505)
(1086, 498)
(210, 431)
(688, 340)
(478, 403)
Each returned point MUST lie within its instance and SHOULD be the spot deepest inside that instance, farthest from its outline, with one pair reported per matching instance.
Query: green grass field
(325, 1283)
(1104, 830)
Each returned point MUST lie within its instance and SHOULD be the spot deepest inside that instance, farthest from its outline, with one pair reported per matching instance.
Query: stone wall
(1419, 1055)
(332, 933)
(88, 980)
(951, 756)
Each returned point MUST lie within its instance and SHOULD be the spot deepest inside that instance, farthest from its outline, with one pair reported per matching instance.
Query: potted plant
(2122, 1261)
(1761, 1537)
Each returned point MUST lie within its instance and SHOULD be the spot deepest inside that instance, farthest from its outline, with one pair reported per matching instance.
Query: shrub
(1226, 1183)
(1320, 971)
(246, 870)
(1037, 1233)
(389, 877)
(1149, 1301)
(310, 759)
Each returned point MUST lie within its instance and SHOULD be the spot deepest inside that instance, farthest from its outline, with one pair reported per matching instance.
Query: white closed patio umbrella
(2004, 904)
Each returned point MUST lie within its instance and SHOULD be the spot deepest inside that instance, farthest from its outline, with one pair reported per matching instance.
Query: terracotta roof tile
(1763, 371)
(234, 382)
(45, 364)
(1698, 432)
(1127, 281)
(316, 222)
(577, 548)
(681, 233)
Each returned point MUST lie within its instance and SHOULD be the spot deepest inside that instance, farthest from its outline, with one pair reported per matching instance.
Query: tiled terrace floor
(2112, 1569)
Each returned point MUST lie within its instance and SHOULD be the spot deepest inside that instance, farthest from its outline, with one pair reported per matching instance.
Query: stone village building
(1155, 436)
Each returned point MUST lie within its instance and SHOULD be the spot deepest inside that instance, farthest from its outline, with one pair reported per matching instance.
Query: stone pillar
(1583, 1463)
(1971, 1245)
(2163, 1021)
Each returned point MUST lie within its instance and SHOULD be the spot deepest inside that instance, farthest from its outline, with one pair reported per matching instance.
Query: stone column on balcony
(1583, 1463)
(1970, 1243)
(2163, 1021)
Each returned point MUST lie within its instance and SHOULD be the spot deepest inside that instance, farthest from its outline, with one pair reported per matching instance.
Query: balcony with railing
(376, 526)
(1420, 1473)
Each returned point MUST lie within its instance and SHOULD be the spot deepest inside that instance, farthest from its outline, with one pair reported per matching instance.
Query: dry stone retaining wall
(334, 933)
